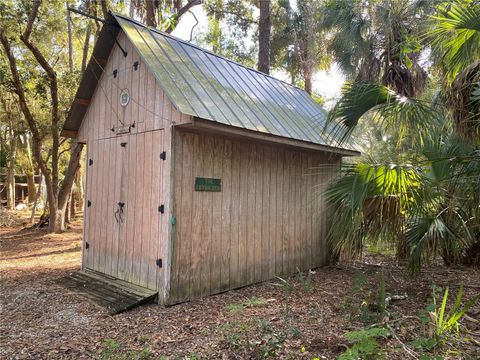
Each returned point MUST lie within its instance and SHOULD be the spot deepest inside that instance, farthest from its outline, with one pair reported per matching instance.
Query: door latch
(119, 213)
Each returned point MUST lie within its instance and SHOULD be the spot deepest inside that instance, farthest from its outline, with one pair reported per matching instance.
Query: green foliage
(408, 116)
(365, 344)
(251, 302)
(230, 30)
(306, 280)
(455, 35)
(111, 350)
(357, 303)
(234, 333)
(446, 321)
(369, 199)
(425, 344)
(287, 290)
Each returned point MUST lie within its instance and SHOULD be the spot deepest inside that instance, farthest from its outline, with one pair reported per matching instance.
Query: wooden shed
(199, 169)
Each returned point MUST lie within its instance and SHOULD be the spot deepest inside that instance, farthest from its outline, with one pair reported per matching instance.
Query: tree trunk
(37, 198)
(11, 172)
(58, 204)
(264, 28)
(131, 10)
(79, 190)
(31, 187)
(308, 76)
(67, 210)
(70, 45)
(30, 171)
(73, 208)
(151, 10)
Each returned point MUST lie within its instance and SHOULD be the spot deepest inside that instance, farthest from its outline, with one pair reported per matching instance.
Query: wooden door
(123, 221)
(140, 232)
(105, 164)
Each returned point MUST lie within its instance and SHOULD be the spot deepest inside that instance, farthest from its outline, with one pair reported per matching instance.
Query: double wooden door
(124, 207)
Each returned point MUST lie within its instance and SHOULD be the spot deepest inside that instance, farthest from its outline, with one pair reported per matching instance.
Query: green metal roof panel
(208, 86)
(205, 85)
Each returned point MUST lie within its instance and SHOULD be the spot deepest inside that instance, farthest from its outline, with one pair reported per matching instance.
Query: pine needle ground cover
(324, 314)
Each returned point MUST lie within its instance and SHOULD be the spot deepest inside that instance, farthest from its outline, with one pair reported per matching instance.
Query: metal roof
(208, 86)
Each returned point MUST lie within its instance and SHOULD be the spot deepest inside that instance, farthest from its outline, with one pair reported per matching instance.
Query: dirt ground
(40, 320)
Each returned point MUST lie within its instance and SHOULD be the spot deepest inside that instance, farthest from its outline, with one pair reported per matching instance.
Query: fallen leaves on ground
(40, 320)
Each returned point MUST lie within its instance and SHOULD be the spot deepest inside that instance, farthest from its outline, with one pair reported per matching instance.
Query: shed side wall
(269, 219)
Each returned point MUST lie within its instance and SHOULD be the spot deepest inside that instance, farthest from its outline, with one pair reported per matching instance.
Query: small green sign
(208, 184)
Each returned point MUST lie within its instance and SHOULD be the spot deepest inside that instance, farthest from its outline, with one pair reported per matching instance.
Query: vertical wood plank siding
(269, 218)
(133, 174)
(149, 107)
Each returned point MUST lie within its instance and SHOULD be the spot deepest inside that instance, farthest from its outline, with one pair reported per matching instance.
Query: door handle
(119, 212)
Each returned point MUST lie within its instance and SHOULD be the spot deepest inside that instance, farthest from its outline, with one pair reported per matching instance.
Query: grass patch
(248, 303)
(111, 350)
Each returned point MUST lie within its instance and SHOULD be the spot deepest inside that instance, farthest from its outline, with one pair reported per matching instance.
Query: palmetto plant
(446, 321)
(428, 204)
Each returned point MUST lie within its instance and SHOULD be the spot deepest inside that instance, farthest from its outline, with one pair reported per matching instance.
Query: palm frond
(455, 35)
(404, 115)
(369, 200)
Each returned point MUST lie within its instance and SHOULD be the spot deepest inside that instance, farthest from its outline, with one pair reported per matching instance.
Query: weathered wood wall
(269, 219)
(149, 107)
(133, 174)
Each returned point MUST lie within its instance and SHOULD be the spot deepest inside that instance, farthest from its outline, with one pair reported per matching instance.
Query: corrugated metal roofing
(205, 85)
(208, 86)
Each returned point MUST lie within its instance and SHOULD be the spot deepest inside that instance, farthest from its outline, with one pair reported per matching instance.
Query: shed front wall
(132, 173)
(149, 107)
(269, 218)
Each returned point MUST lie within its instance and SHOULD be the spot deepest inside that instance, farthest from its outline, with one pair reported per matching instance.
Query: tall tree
(298, 41)
(57, 191)
(430, 201)
(264, 27)
(231, 26)
(372, 40)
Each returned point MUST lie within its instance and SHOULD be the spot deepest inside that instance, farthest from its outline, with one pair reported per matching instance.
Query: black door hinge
(123, 144)
(159, 263)
(163, 155)
(87, 245)
(90, 162)
(161, 209)
(135, 65)
(89, 203)
(115, 72)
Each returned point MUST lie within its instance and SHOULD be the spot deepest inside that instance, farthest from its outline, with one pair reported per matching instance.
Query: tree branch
(183, 10)
(25, 37)
(36, 138)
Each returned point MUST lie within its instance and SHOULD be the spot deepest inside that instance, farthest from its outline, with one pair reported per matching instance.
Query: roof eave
(223, 129)
(91, 77)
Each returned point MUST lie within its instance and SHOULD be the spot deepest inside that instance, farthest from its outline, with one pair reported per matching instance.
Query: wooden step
(113, 294)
